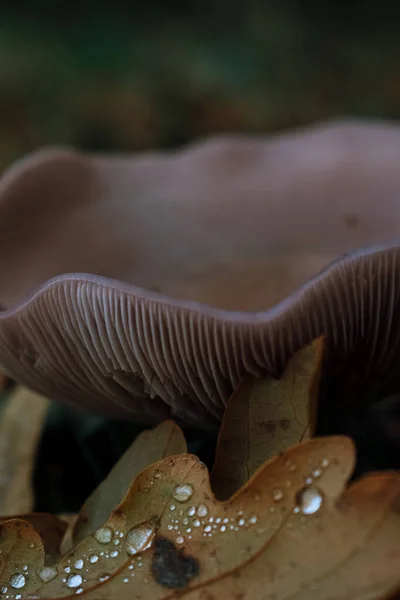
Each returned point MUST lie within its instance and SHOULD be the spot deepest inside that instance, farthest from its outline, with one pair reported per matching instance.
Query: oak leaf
(289, 533)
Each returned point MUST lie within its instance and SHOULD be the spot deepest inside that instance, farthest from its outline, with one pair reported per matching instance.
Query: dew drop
(78, 564)
(316, 473)
(180, 540)
(253, 519)
(191, 511)
(67, 569)
(202, 510)
(104, 535)
(207, 528)
(308, 480)
(140, 538)
(172, 507)
(183, 492)
(25, 568)
(277, 495)
(325, 463)
(103, 577)
(74, 580)
(196, 523)
(17, 580)
(114, 553)
(170, 527)
(223, 528)
(18, 597)
(47, 574)
(3, 589)
(309, 500)
(241, 522)
(126, 580)
(185, 522)
(93, 558)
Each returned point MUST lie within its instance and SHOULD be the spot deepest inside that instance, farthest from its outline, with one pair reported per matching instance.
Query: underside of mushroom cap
(105, 296)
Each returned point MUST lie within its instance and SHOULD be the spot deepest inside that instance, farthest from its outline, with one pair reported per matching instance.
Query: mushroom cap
(147, 286)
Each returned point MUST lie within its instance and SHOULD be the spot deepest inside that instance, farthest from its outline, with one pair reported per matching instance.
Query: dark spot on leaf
(171, 567)
(269, 426)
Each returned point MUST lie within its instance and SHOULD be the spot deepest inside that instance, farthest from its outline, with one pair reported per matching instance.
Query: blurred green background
(123, 76)
(119, 75)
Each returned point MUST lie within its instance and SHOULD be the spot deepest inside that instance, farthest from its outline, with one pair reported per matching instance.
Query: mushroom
(146, 286)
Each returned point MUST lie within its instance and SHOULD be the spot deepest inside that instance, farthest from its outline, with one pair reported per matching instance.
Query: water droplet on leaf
(277, 495)
(290, 465)
(93, 558)
(17, 580)
(202, 510)
(78, 564)
(74, 580)
(309, 500)
(104, 535)
(140, 538)
(183, 492)
(47, 574)
(253, 519)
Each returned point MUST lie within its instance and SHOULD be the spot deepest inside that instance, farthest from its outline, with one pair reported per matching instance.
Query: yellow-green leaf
(21, 423)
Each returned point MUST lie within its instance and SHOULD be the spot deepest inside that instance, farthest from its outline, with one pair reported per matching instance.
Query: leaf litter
(290, 530)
